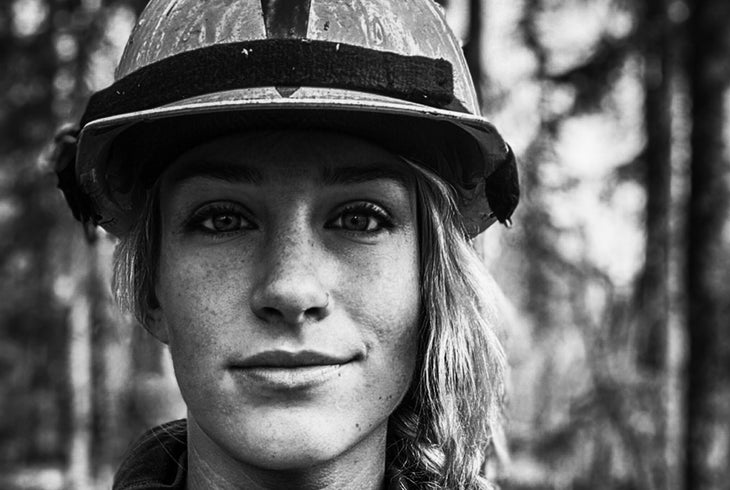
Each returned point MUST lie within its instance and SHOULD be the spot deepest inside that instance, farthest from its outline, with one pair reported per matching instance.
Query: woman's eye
(355, 221)
(366, 218)
(219, 220)
(223, 222)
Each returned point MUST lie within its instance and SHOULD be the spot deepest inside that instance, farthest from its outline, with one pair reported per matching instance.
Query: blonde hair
(439, 435)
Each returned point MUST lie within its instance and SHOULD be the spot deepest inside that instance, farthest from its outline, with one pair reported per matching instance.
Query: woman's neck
(210, 467)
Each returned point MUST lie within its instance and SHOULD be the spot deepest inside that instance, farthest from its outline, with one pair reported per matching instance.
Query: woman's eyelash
(225, 218)
(231, 218)
(376, 218)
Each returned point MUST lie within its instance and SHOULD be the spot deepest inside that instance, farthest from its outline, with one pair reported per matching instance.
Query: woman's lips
(290, 378)
(288, 359)
(284, 370)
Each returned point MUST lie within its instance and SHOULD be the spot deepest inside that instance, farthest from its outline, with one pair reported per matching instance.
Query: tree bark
(708, 296)
(653, 288)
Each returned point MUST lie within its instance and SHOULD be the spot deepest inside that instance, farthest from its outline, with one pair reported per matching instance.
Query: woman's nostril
(317, 312)
(269, 313)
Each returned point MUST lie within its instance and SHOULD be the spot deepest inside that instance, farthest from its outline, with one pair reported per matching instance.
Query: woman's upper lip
(288, 359)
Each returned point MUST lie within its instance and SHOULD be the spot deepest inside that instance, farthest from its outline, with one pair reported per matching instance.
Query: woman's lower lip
(290, 378)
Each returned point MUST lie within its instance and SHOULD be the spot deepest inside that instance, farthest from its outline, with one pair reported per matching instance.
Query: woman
(294, 185)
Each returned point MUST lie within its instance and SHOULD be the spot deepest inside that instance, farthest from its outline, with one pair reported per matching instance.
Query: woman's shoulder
(157, 460)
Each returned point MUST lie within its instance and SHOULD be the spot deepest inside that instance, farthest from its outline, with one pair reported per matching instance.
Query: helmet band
(278, 62)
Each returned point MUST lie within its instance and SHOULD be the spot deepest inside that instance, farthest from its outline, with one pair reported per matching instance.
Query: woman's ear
(156, 322)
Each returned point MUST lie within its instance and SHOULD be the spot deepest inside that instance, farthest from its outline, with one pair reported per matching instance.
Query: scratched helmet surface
(389, 71)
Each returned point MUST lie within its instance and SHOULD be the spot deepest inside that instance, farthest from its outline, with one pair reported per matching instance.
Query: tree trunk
(708, 296)
(79, 369)
(473, 46)
(653, 289)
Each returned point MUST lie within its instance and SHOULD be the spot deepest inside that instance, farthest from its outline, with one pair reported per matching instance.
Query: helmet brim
(120, 156)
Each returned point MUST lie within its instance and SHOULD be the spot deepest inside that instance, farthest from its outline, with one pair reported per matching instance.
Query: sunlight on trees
(28, 16)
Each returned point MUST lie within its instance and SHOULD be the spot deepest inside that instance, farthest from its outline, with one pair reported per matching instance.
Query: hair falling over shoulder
(440, 434)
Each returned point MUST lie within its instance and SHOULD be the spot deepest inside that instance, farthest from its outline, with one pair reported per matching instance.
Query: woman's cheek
(385, 302)
(197, 296)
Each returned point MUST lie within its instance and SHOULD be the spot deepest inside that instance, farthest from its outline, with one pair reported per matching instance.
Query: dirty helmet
(389, 71)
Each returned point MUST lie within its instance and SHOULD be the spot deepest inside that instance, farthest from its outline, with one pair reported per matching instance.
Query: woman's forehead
(260, 156)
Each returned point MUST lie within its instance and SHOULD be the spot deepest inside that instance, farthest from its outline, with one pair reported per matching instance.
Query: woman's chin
(297, 443)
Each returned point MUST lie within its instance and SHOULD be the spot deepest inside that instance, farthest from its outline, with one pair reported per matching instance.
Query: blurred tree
(537, 229)
(708, 256)
(653, 286)
(474, 44)
(638, 323)
(652, 290)
(32, 331)
(57, 330)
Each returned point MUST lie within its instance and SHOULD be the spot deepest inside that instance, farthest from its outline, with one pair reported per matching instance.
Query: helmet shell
(412, 28)
(115, 150)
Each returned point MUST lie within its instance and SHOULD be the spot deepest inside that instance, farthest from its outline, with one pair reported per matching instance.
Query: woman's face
(288, 291)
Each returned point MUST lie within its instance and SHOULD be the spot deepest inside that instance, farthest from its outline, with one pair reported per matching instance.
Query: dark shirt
(158, 460)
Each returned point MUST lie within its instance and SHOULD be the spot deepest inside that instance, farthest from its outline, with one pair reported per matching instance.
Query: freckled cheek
(384, 299)
(388, 282)
(201, 298)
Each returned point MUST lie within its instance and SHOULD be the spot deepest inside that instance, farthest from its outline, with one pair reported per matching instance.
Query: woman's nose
(289, 289)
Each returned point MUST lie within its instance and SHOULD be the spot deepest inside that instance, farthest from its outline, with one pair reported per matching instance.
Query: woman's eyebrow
(237, 173)
(358, 175)
(216, 169)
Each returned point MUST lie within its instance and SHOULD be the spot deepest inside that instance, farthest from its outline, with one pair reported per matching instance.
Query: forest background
(616, 274)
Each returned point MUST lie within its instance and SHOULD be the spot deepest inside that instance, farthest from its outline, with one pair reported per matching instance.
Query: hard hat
(390, 71)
